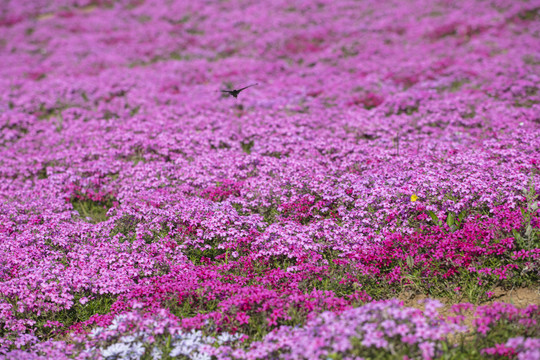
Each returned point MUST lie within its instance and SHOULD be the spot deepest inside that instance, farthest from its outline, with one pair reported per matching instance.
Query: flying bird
(236, 92)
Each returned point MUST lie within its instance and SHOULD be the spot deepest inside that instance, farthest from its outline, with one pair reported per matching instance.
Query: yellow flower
(414, 197)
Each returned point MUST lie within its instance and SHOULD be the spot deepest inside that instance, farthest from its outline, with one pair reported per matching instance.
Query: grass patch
(92, 211)
(247, 146)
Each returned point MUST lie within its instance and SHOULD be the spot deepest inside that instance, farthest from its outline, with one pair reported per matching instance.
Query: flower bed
(389, 149)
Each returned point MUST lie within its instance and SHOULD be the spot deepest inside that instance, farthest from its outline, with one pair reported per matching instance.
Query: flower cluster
(378, 326)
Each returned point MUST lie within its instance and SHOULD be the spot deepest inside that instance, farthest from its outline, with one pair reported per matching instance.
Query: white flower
(201, 356)
(127, 339)
(135, 352)
(116, 322)
(115, 350)
(225, 337)
(95, 332)
(179, 336)
(189, 342)
(181, 349)
(157, 354)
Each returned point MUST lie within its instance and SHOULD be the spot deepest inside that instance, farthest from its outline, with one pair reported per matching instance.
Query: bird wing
(244, 88)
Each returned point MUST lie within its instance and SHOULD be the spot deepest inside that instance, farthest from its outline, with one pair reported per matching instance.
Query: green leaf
(410, 261)
(450, 219)
(528, 231)
(461, 215)
(434, 217)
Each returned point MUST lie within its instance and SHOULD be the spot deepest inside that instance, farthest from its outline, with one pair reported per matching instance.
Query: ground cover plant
(390, 152)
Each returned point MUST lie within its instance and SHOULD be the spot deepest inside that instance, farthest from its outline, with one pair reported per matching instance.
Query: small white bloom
(135, 352)
(116, 322)
(223, 338)
(157, 354)
(127, 339)
(95, 332)
(201, 356)
(181, 349)
(115, 350)
(226, 337)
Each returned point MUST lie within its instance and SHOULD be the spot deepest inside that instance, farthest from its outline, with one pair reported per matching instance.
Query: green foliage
(529, 15)
(434, 217)
(197, 255)
(453, 220)
(126, 226)
(269, 214)
(135, 110)
(42, 173)
(192, 304)
(239, 209)
(528, 237)
(99, 304)
(274, 154)
(456, 85)
(92, 211)
(408, 110)
(349, 51)
(247, 146)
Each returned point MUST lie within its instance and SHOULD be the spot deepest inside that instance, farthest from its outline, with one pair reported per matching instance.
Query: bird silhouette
(237, 91)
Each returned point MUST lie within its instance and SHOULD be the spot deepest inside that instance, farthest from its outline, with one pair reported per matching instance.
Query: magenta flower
(83, 300)
(242, 318)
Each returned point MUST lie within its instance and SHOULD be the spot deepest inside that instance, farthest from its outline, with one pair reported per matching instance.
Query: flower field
(374, 196)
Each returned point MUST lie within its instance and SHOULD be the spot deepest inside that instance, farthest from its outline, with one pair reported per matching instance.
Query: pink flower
(83, 300)
(242, 318)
